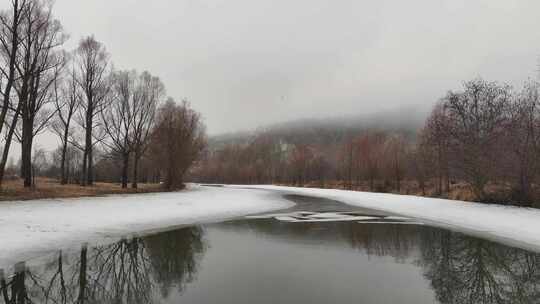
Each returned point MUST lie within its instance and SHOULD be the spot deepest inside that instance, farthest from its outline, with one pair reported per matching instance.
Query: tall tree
(178, 139)
(118, 118)
(10, 41)
(150, 91)
(522, 141)
(93, 61)
(42, 59)
(477, 117)
(67, 97)
(436, 136)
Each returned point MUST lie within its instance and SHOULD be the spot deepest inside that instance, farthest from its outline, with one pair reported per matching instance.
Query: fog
(245, 64)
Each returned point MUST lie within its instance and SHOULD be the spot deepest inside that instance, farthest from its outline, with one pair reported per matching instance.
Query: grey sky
(246, 63)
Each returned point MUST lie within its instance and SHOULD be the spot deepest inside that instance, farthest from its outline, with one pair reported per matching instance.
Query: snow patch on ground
(514, 226)
(29, 229)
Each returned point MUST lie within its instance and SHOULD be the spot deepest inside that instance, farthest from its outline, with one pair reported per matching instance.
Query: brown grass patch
(51, 188)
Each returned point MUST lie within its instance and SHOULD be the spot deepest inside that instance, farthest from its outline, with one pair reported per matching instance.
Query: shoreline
(29, 229)
(51, 189)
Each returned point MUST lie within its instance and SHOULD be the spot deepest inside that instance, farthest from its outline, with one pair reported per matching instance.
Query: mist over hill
(406, 121)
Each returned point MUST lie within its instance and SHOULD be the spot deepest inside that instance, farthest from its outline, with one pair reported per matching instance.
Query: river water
(317, 252)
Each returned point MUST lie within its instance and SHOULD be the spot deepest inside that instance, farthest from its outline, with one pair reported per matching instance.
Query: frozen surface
(513, 226)
(31, 228)
(311, 217)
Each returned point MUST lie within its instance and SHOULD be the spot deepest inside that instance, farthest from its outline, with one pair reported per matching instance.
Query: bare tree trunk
(90, 170)
(26, 150)
(88, 151)
(440, 172)
(398, 178)
(447, 171)
(5, 152)
(135, 179)
(84, 167)
(125, 166)
(63, 175)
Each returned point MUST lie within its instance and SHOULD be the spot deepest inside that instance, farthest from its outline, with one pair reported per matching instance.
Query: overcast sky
(246, 63)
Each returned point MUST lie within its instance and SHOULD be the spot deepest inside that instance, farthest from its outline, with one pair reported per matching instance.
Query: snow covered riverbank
(515, 226)
(31, 228)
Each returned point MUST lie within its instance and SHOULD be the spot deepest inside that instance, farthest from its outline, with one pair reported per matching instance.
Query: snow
(29, 229)
(514, 226)
(391, 223)
(312, 217)
(273, 215)
(344, 219)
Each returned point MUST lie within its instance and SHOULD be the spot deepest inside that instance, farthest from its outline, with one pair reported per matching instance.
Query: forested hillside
(480, 142)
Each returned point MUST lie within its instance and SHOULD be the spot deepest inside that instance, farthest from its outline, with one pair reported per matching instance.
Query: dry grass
(51, 188)
(458, 191)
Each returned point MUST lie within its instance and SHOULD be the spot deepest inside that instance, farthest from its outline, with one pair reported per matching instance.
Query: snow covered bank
(31, 228)
(513, 226)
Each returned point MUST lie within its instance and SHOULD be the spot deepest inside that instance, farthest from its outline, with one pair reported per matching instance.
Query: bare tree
(477, 118)
(396, 154)
(38, 69)
(421, 160)
(118, 118)
(40, 161)
(150, 90)
(436, 136)
(348, 155)
(178, 139)
(370, 150)
(300, 160)
(92, 77)
(523, 142)
(67, 97)
(10, 41)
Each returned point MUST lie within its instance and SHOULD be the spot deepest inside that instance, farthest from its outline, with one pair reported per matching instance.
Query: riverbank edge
(52, 189)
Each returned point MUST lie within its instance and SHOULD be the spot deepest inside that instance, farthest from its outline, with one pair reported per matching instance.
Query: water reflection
(175, 257)
(462, 269)
(128, 271)
(458, 268)
(397, 241)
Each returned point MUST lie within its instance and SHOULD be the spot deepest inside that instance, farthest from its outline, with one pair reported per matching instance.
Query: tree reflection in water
(175, 257)
(128, 271)
(397, 241)
(460, 269)
(469, 270)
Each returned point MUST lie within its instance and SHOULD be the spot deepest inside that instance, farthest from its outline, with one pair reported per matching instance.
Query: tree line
(481, 142)
(112, 125)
